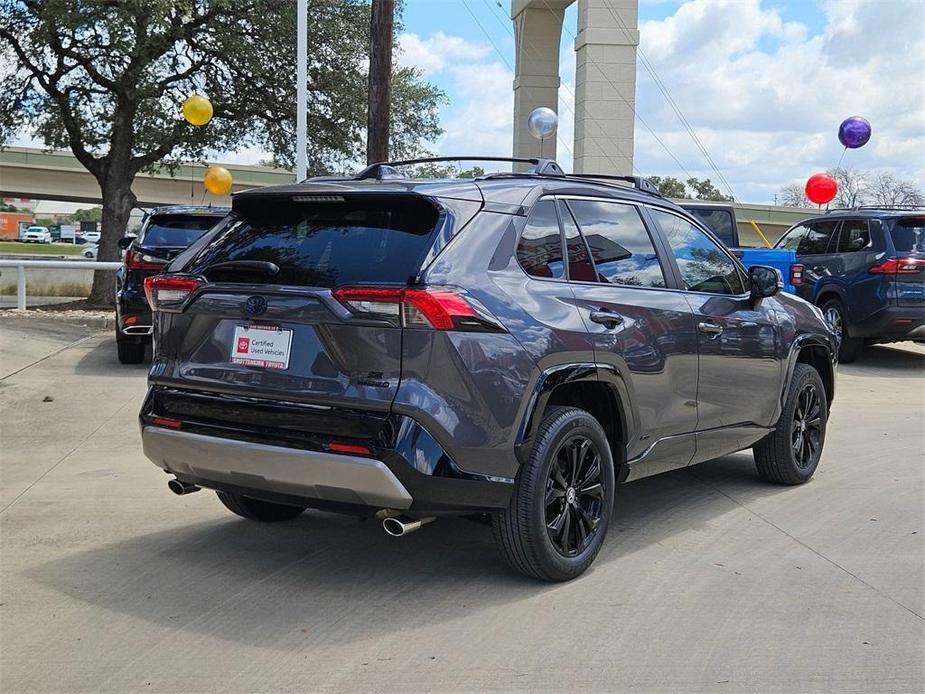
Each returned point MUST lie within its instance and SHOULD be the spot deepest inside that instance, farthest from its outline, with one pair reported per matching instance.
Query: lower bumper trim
(311, 474)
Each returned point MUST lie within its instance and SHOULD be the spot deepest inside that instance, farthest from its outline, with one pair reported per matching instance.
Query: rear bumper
(892, 324)
(133, 313)
(298, 473)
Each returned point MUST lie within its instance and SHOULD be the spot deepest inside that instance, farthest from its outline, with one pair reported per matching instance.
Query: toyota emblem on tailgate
(255, 306)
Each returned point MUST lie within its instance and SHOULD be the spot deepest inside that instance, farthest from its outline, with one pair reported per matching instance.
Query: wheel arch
(599, 391)
(814, 351)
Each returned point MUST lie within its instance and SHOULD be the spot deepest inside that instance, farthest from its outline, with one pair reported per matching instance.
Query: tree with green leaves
(705, 190)
(107, 79)
(88, 214)
(669, 186)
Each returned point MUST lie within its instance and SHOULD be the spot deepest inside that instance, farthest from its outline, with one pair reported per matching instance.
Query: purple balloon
(854, 132)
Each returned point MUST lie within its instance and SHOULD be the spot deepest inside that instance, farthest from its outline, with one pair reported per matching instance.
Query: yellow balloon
(197, 110)
(217, 180)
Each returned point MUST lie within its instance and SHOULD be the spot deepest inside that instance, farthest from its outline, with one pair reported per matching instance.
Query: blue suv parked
(865, 267)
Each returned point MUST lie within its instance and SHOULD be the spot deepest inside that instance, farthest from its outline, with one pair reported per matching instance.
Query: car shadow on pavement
(344, 578)
(884, 360)
(103, 360)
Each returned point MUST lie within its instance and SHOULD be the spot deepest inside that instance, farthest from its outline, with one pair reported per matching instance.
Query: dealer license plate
(261, 345)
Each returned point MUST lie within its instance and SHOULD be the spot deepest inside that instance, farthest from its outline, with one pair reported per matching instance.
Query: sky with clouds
(764, 84)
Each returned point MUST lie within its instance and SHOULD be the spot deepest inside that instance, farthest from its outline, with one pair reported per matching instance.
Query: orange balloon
(217, 180)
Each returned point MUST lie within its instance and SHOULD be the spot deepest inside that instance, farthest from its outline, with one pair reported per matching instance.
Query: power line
(663, 88)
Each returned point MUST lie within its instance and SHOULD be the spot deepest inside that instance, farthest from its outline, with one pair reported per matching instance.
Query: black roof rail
(639, 183)
(875, 208)
(387, 169)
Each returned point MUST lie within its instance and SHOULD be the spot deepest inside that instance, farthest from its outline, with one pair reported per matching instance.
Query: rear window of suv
(176, 231)
(353, 240)
(909, 234)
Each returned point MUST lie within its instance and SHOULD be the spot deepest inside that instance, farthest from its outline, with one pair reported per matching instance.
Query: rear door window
(854, 236)
(540, 249)
(352, 240)
(176, 231)
(580, 267)
(620, 246)
(817, 238)
(909, 235)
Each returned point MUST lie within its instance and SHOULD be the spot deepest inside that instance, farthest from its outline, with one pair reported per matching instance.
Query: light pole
(301, 125)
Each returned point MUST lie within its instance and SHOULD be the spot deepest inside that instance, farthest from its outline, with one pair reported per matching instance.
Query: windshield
(718, 221)
(909, 235)
(177, 231)
(364, 240)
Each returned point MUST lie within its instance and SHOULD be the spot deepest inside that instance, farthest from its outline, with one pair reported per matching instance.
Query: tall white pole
(301, 90)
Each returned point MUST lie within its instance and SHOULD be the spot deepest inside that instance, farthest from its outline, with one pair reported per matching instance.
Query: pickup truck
(720, 218)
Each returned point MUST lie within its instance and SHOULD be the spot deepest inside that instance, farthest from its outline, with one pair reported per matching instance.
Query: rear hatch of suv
(162, 238)
(907, 264)
(289, 321)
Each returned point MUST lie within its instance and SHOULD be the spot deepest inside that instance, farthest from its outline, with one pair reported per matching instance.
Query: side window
(540, 247)
(580, 267)
(704, 266)
(619, 243)
(816, 241)
(854, 236)
(791, 240)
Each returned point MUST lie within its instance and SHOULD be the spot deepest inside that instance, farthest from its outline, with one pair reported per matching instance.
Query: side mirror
(765, 281)
(126, 241)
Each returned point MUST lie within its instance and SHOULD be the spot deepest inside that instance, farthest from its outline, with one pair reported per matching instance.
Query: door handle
(608, 319)
(710, 328)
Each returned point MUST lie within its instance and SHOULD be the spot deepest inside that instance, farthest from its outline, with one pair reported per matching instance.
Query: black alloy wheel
(806, 430)
(574, 495)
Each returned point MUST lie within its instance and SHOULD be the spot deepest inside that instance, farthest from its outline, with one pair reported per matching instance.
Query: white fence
(22, 265)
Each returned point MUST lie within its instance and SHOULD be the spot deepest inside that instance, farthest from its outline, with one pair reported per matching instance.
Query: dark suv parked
(866, 268)
(165, 231)
(514, 345)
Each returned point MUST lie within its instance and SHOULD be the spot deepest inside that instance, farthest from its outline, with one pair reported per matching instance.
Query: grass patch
(39, 248)
(44, 288)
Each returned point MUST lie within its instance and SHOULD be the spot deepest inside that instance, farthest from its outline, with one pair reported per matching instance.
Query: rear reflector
(167, 422)
(434, 307)
(899, 266)
(165, 292)
(796, 274)
(348, 448)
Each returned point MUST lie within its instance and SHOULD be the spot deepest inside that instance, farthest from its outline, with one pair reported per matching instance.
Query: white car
(91, 236)
(90, 252)
(36, 234)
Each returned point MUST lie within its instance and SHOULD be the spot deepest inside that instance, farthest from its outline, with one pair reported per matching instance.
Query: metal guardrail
(21, 266)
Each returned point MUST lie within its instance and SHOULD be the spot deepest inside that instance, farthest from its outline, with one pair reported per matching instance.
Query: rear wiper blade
(262, 266)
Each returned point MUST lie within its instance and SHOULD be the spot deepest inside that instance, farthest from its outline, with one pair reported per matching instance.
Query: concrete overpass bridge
(27, 172)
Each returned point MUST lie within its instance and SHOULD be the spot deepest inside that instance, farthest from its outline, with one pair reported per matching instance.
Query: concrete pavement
(710, 580)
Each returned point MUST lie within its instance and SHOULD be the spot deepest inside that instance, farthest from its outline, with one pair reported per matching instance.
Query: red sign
(244, 345)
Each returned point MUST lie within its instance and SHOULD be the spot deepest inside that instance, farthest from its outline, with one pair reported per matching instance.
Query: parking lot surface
(710, 580)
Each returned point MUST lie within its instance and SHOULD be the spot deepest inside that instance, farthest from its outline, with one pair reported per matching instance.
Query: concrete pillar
(538, 31)
(605, 85)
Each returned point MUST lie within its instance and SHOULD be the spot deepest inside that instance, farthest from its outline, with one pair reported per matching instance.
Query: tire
(543, 495)
(130, 352)
(790, 454)
(849, 348)
(257, 509)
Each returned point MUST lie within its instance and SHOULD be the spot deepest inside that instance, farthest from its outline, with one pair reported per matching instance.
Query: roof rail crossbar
(639, 183)
(387, 169)
(858, 208)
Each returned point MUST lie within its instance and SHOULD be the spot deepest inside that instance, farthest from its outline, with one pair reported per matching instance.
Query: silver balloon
(542, 122)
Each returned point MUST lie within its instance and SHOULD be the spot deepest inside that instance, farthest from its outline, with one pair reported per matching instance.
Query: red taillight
(165, 292)
(167, 422)
(796, 274)
(438, 308)
(899, 266)
(136, 260)
(348, 448)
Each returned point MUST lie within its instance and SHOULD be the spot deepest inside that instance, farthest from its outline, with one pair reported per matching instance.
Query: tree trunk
(118, 201)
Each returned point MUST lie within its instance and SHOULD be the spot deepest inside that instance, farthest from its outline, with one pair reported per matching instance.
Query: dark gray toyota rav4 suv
(512, 346)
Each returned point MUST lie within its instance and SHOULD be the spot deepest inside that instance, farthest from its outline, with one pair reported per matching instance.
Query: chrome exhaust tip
(180, 488)
(396, 526)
